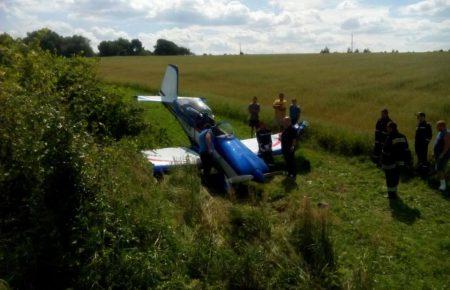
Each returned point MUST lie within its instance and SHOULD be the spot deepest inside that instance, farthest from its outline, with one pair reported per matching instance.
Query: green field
(378, 244)
(81, 209)
(337, 90)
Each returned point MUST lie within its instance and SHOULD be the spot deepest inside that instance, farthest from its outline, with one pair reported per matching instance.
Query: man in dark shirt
(442, 152)
(264, 138)
(253, 110)
(395, 156)
(380, 135)
(422, 139)
(288, 142)
(294, 112)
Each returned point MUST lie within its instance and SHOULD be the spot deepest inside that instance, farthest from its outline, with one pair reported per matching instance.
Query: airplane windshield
(223, 130)
(196, 104)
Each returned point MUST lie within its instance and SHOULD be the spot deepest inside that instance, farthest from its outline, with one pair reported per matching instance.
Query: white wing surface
(252, 144)
(167, 157)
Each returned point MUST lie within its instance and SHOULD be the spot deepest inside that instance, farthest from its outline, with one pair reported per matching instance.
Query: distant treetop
(79, 45)
(166, 47)
(59, 45)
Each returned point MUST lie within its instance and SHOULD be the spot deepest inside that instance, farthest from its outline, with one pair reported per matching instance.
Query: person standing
(294, 112)
(422, 139)
(442, 152)
(288, 143)
(279, 105)
(264, 138)
(253, 110)
(380, 135)
(206, 149)
(395, 155)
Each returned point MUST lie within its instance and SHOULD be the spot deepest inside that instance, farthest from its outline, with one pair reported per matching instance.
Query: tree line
(79, 45)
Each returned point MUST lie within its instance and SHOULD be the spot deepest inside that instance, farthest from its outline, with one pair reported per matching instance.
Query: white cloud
(426, 7)
(217, 26)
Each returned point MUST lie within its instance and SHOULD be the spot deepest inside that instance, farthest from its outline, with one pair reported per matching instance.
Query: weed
(311, 238)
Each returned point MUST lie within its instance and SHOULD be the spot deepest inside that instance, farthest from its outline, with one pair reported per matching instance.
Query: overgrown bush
(55, 117)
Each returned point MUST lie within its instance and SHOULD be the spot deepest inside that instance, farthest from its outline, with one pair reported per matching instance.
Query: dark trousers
(422, 153)
(267, 157)
(291, 167)
(377, 151)
(294, 120)
(392, 179)
(207, 162)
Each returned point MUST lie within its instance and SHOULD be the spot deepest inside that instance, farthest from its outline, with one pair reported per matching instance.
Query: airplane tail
(169, 86)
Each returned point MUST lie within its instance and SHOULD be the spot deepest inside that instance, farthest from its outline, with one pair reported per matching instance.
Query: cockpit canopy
(191, 105)
(224, 130)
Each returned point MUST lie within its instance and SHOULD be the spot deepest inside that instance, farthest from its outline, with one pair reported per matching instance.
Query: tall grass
(311, 238)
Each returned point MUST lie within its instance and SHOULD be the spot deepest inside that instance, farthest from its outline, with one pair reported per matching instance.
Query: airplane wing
(163, 159)
(252, 144)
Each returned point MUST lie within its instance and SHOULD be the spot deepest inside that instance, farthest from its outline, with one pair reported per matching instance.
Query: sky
(261, 26)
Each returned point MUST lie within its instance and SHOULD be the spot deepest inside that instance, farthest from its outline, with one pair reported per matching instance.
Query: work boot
(392, 195)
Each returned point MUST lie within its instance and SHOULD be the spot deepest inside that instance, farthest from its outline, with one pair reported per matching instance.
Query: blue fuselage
(231, 156)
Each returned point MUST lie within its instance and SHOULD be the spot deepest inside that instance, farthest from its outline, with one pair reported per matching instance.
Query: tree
(122, 46)
(325, 50)
(46, 39)
(76, 45)
(55, 43)
(105, 48)
(166, 47)
(349, 50)
(136, 47)
(366, 50)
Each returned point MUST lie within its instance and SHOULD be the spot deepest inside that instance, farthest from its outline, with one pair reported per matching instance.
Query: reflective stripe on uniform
(398, 140)
(400, 163)
(392, 189)
(392, 166)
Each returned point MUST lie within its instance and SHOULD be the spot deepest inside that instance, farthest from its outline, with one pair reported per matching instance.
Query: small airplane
(238, 160)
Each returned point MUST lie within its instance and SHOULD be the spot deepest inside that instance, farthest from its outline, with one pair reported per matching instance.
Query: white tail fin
(169, 86)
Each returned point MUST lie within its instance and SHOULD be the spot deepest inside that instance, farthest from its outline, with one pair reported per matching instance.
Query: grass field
(80, 208)
(378, 244)
(341, 91)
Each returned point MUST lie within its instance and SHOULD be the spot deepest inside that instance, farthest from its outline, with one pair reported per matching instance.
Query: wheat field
(342, 90)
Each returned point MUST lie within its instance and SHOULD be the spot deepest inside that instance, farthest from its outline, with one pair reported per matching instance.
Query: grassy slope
(401, 246)
(346, 91)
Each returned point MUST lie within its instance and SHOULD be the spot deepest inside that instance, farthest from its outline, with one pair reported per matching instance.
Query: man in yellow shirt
(280, 110)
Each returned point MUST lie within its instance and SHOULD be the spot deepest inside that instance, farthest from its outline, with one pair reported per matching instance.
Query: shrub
(52, 111)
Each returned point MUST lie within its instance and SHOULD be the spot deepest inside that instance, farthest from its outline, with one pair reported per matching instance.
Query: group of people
(280, 109)
(391, 150)
(285, 123)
